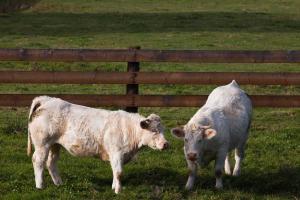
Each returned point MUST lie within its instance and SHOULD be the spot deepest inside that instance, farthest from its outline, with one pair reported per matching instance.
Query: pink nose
(192, 156)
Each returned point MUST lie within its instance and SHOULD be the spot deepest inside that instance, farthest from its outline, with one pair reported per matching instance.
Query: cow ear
(209, 133)
(145, 124)
(178, 132)
(154, 117)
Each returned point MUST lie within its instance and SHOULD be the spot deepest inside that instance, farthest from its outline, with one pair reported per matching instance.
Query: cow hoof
(58, 182)
(117, 190)
(39, 187)
(219, 186)
(188, 186)
(236, 173)
(227, 172)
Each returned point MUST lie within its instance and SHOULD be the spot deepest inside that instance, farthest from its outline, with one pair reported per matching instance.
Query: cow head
(194, 136)
(154, 132)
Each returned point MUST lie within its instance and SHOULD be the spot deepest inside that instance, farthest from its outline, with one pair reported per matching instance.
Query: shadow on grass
(73, 24)
(284, 182)
(151, 177)
(155, 176)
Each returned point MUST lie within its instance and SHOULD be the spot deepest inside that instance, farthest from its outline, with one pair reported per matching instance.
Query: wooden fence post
(132, 89)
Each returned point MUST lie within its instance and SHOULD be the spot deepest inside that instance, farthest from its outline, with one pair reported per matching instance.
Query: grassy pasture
(272, 166)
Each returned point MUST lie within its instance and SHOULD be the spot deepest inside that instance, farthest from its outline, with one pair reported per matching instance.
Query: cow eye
(185, 140)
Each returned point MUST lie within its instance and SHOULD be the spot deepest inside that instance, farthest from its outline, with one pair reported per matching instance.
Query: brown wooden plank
(218, 78)
(144, 55)
(68, 55)
(219, 56)
(71, 77)
(17, 100)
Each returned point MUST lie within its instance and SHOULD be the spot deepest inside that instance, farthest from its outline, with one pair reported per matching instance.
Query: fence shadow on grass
(77, 24)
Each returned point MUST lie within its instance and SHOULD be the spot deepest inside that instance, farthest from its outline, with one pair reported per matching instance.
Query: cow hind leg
(227, 165)
(52, 164)
(38, 159)
(239, 156)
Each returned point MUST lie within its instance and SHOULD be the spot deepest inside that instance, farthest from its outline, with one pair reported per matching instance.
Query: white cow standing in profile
(217, 128)
(113, 136)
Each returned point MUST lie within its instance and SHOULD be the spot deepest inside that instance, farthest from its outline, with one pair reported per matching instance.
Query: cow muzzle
(164, 146)
(192, 156)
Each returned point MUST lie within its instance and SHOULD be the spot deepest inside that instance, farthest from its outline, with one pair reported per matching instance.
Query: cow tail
(29, 144)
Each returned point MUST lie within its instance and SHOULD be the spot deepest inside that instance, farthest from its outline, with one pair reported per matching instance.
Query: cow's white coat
(114, 136)
(218, 127)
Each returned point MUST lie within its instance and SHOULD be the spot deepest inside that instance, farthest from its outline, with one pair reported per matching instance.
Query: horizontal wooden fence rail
(243, 78)
(133, 76)
(148, 100)
(147, 55)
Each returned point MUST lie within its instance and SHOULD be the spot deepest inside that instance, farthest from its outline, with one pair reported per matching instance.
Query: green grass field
(271, 168)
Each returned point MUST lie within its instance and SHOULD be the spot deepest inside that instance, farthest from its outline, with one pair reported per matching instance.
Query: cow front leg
(38, 160)
(219, 166)
(192, 166)
(117, 168)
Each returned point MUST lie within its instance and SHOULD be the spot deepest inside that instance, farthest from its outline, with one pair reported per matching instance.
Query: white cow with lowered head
(218, 127)
(113, 136)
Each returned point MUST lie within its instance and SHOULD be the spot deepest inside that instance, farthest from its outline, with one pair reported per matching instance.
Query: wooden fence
(133, 77)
